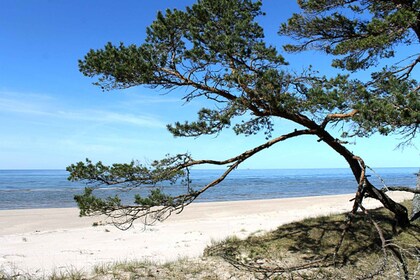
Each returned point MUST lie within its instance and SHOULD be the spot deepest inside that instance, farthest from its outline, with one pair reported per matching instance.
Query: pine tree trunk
(400, 212)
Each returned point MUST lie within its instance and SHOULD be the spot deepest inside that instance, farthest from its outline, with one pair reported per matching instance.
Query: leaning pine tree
(215, 49)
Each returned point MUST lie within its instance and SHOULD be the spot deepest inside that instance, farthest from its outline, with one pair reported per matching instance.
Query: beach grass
(309, 241)
(272, 255)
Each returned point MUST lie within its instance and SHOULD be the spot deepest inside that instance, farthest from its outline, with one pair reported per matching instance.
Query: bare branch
(186, 81)
(123, 216)
(406, 71)
(401, 188)
(331, 117)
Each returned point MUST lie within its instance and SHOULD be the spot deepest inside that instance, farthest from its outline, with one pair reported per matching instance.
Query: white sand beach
(41, 241)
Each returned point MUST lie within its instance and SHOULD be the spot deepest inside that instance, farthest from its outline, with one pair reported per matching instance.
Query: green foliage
(362, 31)
(209, 122)
(89, 204)
(127, 176)
(156, 198)
(387, 105)
(214, 47)
(361, 34)
(130, 174)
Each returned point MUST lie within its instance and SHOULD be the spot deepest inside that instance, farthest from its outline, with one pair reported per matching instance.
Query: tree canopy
(215, 49)
(365, 35)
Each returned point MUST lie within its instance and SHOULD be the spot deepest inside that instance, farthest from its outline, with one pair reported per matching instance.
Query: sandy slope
(43, 240)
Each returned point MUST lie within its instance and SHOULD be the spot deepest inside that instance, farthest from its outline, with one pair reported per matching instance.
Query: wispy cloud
(43, 106)
(140, 99)
(23, 103)
(110, 117)
(84, 148)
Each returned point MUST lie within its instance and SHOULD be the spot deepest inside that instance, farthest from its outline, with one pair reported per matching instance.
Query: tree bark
(400, 212)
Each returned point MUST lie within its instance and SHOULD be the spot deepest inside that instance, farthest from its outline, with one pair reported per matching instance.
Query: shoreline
(18, 221)
(52, 239)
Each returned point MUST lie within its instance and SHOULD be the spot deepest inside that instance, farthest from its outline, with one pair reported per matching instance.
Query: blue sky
(52, 116)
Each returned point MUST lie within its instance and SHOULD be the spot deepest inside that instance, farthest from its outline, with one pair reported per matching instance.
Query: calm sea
(21, 189)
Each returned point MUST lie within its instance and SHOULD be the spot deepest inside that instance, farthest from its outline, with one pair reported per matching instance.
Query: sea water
(20, 189)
